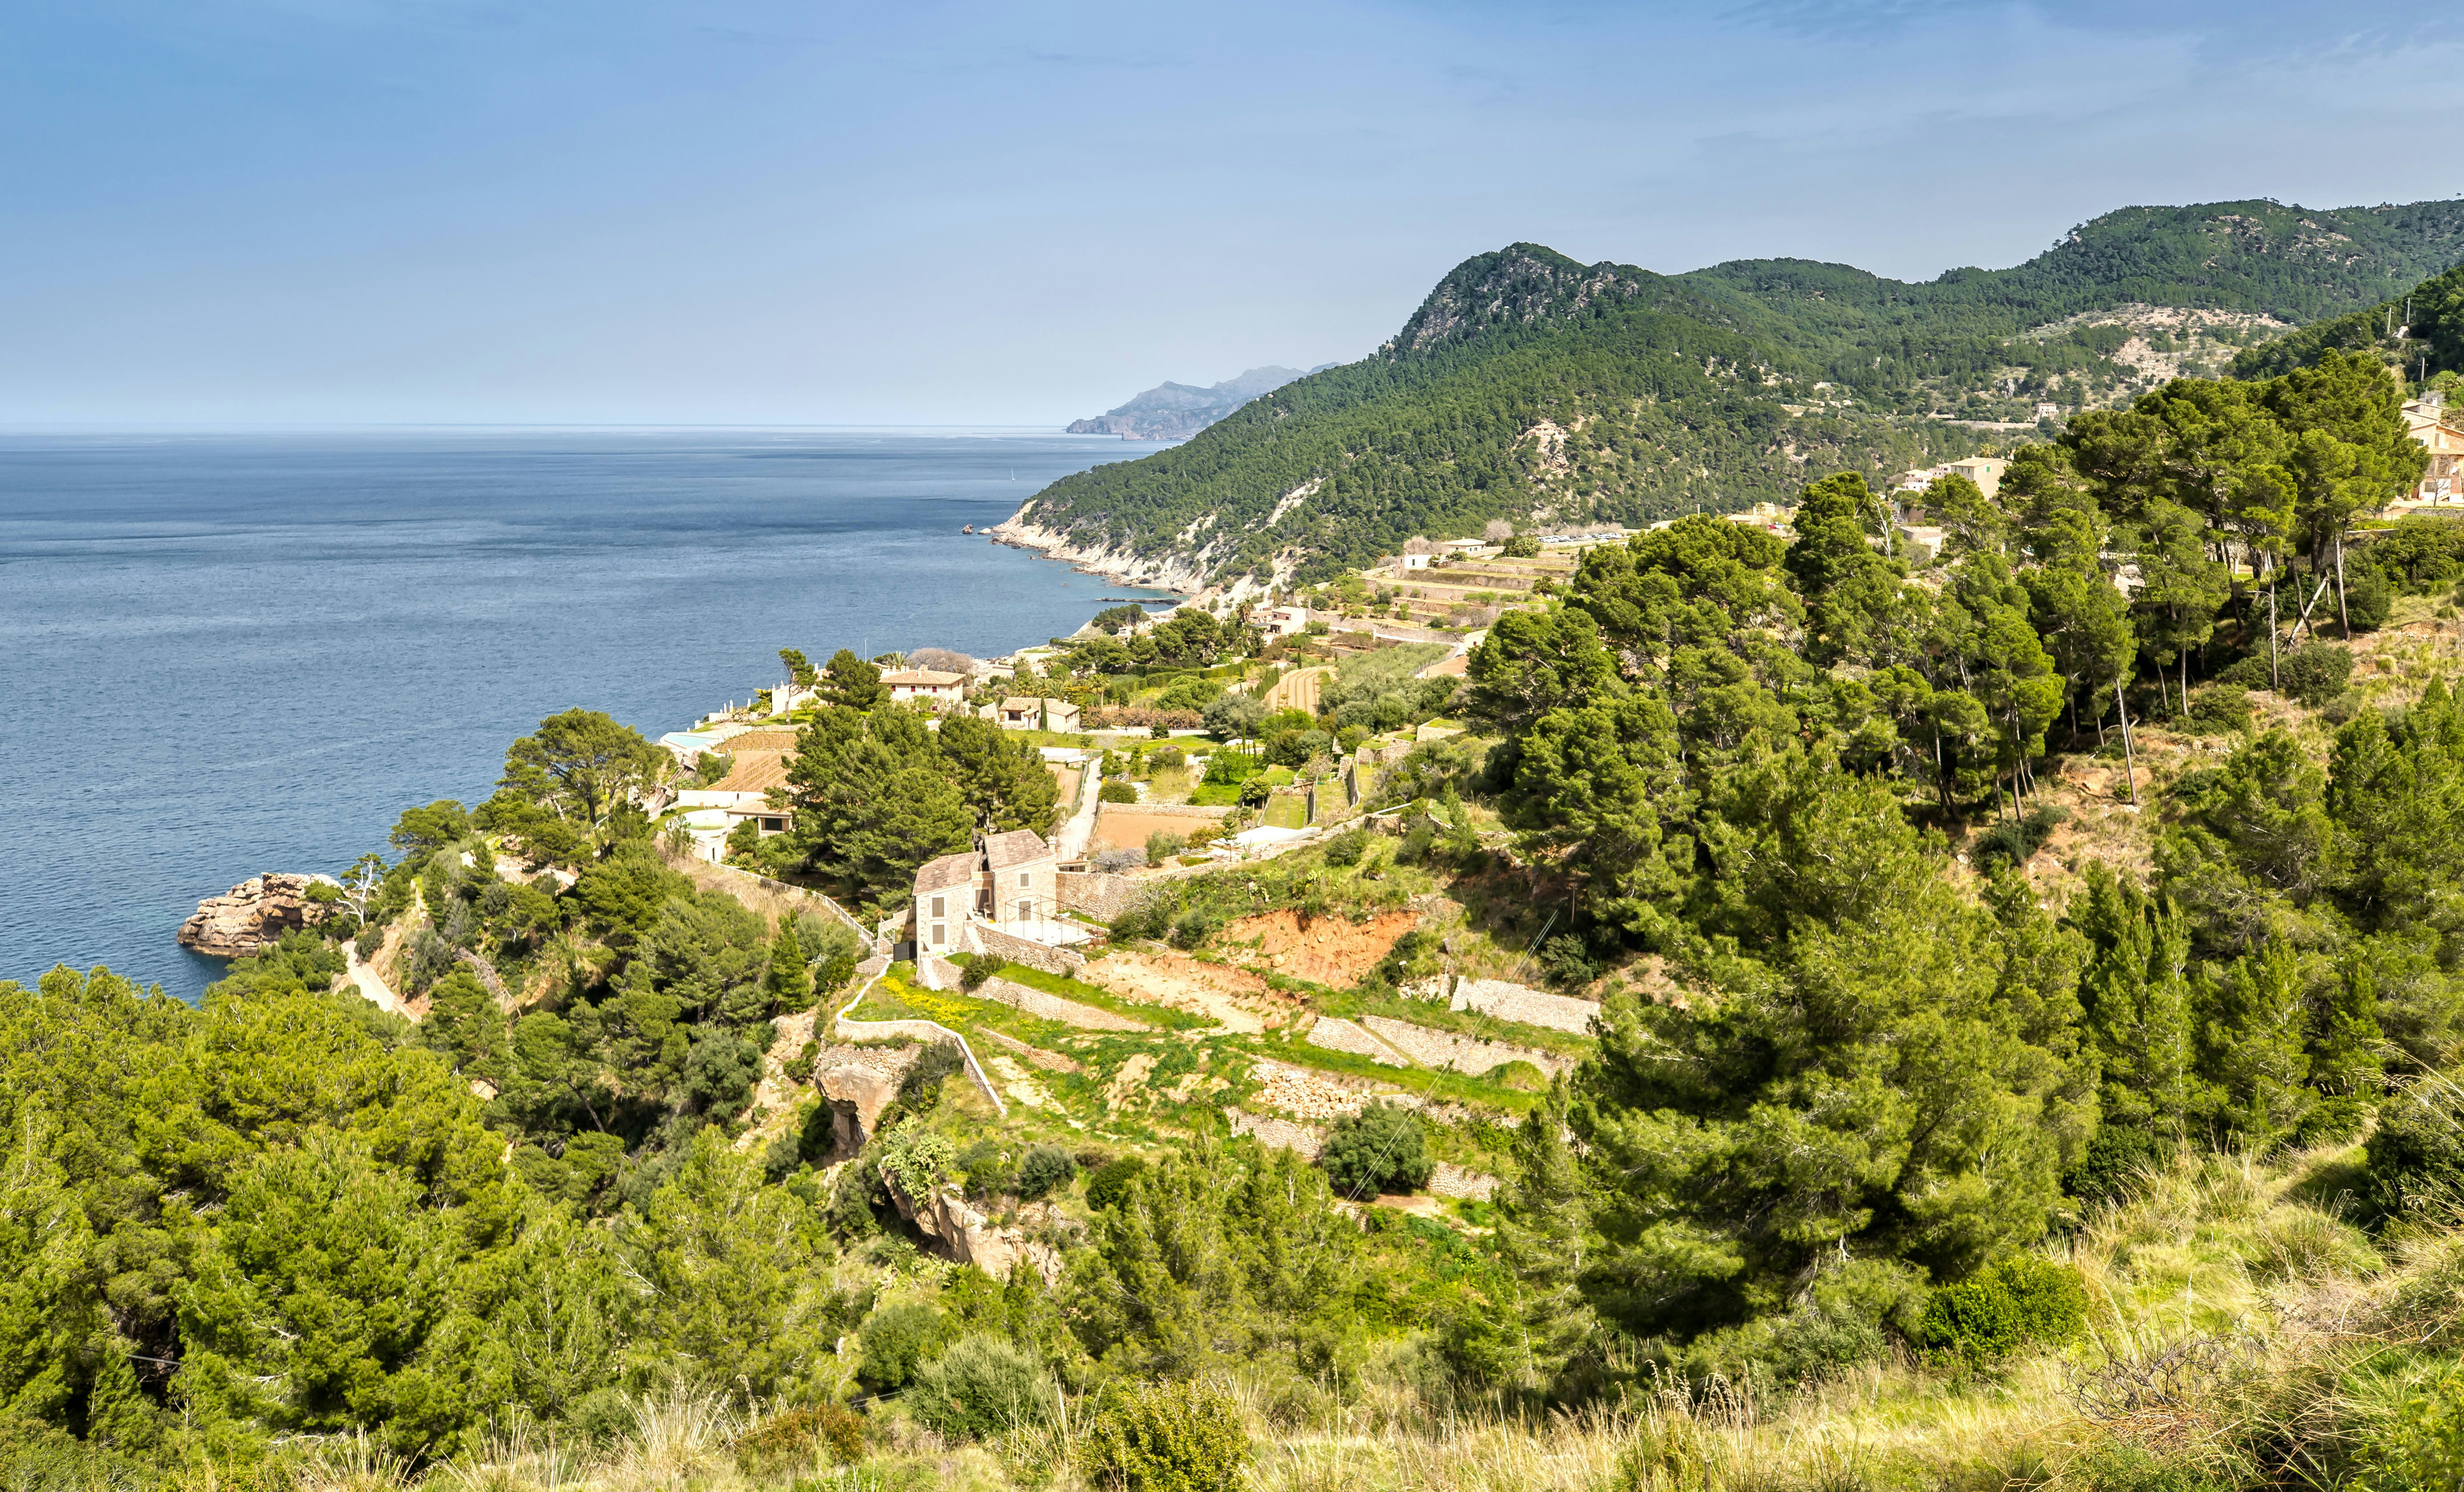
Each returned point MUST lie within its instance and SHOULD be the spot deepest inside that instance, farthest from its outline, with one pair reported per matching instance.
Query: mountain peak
(1516, 286)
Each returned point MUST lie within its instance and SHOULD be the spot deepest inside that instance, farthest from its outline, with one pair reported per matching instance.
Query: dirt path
(364, 977)
(1080, 826)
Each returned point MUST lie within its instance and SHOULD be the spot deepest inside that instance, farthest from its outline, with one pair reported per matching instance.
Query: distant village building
(1986, 471)
(2046, 410)
(2429, 421)
(1284, 620)
(767, 819)
(1007, 882)
(1418, 551)
(941, 690)
(1021, 714)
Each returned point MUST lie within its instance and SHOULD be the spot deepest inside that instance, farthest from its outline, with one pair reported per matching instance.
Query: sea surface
(228, 654)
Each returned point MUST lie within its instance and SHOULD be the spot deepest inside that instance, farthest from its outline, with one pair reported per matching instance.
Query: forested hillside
(1531, 388)
(1984, 1087)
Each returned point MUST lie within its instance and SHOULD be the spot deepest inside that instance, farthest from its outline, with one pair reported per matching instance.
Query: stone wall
(1026, 950)
(1101, 895)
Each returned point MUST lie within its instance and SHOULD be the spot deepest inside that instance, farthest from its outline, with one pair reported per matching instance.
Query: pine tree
(2135, 998)
(2253, 1044)
(1544, 1231)
(787, 982)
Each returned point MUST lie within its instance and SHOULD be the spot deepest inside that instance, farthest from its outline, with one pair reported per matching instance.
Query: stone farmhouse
(939, 690)
(1008, 884)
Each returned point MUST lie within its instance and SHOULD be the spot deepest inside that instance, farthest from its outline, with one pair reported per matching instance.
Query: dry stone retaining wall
(1337, 1035)
(1446, 1049)
(1026, 950)
(1452, 1181)
(1102, 895)
(1052, 1007)
(1522, 1003)
(1278, 1134)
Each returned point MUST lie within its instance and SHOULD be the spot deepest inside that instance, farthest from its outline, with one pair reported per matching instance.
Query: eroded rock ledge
(254, 915)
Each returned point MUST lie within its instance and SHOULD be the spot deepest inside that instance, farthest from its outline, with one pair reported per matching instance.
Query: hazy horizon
(259, 215)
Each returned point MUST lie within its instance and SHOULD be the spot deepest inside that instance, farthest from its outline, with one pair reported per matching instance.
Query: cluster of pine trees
(1741, 758)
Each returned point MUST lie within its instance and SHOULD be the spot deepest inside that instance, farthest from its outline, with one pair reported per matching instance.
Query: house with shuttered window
(1009, 882)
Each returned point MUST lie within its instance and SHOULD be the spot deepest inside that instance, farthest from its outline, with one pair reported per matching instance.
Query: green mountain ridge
(1530, 388)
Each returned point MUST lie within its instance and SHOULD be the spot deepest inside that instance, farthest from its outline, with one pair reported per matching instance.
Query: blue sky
(744, 212)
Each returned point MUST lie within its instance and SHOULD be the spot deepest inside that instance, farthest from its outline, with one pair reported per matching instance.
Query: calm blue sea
(221, 655)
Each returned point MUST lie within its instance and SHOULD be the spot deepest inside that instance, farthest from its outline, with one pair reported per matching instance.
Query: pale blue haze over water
(227, 654)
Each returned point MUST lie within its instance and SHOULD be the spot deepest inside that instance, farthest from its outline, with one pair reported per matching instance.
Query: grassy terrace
(1084, 993)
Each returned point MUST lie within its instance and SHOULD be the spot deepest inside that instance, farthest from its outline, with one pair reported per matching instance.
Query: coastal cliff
(1182, 571)
(253, 916)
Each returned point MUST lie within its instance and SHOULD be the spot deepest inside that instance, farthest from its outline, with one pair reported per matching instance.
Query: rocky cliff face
(254, 915)
(965, 1235)
(858, 1082)
(1182, 571)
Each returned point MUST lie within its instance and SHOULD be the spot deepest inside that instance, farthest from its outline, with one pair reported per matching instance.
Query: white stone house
(1019, 713)
(939, 690)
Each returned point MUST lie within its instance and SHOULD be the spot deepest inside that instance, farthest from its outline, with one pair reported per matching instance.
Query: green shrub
(1195, 926)
(897, 1340)
(1148, 918)
(981, 1387)
(1116, 792)
(2421, 1447)
(2370, 599)
(1163, 843)
(2116, 1157)
(1380, 1149)
(787, 1440)
(1045, 1170)
(2220, 709)
(1346, 847)
(1167, 758)
(1521, 546)
(2314, 672)
(2415, 1156)
(2018, 840)
(1165, 1438)
(975, 972)
(989, 1171)
(1111, 1182)
(2005, 1305)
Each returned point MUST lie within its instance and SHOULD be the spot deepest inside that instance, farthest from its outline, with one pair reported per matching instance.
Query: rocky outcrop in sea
(254, 915)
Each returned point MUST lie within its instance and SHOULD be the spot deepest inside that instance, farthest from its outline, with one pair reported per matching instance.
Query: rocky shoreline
(1176, 574)
(252, 916)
